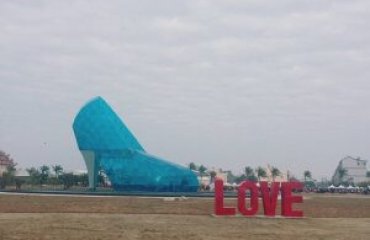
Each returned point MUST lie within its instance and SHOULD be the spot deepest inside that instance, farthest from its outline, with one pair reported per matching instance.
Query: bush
(68, 180)
(18, 183)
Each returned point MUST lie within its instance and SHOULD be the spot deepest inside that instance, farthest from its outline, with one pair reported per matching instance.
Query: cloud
(222, 83)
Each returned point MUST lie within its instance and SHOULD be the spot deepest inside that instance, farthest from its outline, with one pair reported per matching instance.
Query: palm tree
(261, 173)
(248, 171)
(44, 173)
(57, 170)
(249, 174)
(306, 174)
(34, 175)
(202, 170)
(275, 172)
(192, 166)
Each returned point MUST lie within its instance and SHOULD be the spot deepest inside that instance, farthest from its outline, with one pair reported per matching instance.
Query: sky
(224, 83)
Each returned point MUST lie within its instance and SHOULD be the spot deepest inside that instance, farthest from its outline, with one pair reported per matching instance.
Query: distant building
(4, 163)
(355, 171)
(283, 176)
(221, 174)
(205, 178)
(21, 172)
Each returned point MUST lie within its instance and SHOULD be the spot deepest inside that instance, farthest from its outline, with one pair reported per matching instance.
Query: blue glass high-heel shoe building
(106, 143)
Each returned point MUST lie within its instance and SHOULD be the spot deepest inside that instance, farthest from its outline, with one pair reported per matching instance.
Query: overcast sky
(224, 83)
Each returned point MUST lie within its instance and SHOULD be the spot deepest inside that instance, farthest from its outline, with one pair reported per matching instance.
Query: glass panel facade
(116, 151)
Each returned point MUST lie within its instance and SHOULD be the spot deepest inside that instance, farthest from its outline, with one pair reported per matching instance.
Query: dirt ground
(70, 217)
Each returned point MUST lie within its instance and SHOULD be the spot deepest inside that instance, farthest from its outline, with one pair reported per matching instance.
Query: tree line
(55, 175)
(40, 176)
(249, 173)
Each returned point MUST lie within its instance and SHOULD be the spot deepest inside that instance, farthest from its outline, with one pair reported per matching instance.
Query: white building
(355, 171)
(205, 178)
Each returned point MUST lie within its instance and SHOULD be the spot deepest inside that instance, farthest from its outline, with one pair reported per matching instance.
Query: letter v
(269, 197)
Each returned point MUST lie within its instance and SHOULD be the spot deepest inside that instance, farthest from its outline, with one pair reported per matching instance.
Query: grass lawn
(72, 217)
